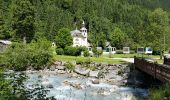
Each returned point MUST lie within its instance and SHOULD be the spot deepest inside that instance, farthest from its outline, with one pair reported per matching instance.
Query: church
(80, 39)
(80, 36)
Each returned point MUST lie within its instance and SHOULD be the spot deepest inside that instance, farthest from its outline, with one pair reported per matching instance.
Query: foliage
(19, 57)
(59, 51)
(117, 38)
(23, 20)
(73, 51)
(159, 93)
(69, 66)
(63, 38)
(86, 53)
(122, 22)
(97, 52)
(41, 53)
(13, 88)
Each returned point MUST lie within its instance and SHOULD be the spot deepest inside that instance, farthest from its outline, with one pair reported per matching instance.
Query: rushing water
(89, 91)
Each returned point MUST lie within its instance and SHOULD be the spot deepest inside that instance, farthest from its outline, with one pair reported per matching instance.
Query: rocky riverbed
(103, 82)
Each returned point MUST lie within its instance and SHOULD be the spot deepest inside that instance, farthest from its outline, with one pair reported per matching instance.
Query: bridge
(158, 71)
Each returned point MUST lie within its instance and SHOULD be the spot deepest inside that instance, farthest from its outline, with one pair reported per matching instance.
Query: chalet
(4, 44)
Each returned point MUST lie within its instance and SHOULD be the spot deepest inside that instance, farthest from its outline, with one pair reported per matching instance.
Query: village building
(80, 38)
(4, 44)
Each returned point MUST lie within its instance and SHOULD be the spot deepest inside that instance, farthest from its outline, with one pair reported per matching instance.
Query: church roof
(108, 44)
(6, 42)
(83, 28)
(76, 33)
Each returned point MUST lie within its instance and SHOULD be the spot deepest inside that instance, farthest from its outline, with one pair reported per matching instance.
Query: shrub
(69, 51)
(36, 54)
(79, 61)
(59, 51)
(69, 66)
(73, 51)
(86, 53)
(159, 93)
(97, 52)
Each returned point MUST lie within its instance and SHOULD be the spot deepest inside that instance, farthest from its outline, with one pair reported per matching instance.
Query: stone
(77, 86)
(96, 81)
(61, 72)
(93, 73)
(49, 86)
(60, 67)
(52, 68)
(63, 63)
(66, 82)
(81, 71)
(58, 63)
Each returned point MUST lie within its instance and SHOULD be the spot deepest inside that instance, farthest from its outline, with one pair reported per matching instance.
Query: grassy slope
(100, 59)
(104, 58)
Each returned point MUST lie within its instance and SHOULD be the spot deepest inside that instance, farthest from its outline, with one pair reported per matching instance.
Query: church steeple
(83, 30)
(83, 24)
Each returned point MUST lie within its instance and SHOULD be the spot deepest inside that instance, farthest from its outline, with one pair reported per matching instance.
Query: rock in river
(81, 71)
(96, 81)
(60, 67)
(94, 74)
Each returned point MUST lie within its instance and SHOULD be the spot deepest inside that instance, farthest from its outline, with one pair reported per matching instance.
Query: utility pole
(164, 43)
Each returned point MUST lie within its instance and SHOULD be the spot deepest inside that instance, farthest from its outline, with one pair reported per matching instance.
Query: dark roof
(6, 42)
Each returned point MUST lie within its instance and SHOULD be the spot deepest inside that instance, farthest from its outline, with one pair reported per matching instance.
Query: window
(77, 39)
(90, 49)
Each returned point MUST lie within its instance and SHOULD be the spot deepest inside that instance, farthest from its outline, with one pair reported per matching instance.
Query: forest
(32, 25)
(132, 23)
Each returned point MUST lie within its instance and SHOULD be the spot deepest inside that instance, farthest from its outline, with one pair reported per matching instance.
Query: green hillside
(122, 22)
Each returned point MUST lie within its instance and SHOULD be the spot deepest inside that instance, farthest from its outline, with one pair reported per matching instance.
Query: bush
(69, 66)
(156, 52)
(36, 54)
(97, 52)
(159, 93)
(86, 53)
(73, 51)
(79, 61)
(59, 51)
(69, 50)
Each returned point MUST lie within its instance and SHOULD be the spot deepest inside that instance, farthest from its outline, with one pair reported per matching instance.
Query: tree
(117, 38)
(159, 23)
(97, 39)
(63, 38)
(23, 20)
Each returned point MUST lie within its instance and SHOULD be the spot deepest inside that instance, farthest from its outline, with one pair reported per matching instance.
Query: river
(89, 91)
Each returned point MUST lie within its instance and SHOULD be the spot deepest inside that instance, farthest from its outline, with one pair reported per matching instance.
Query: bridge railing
(161, 72)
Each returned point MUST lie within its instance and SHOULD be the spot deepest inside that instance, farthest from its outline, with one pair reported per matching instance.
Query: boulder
(81, 71)
(49, 86)
(96, 81)
(61, 72)
(77, 86)
(60, 67)
(58, 63)
(93, 73)
(52, 68)
(63, 63)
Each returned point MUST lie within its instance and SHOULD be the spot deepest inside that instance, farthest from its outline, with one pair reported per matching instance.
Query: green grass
(160, 93)
(132, 56)
(104, 58)
(94, 59)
